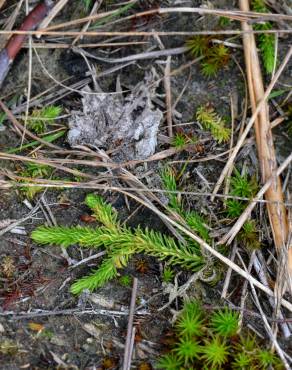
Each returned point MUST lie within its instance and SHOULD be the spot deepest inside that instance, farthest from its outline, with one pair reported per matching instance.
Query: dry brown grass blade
(167, 87)
(2, 2)
(53, 13)
(264, 138)
(141, 33)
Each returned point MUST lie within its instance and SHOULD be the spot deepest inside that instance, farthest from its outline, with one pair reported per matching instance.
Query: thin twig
(129, 341)
(167, 87)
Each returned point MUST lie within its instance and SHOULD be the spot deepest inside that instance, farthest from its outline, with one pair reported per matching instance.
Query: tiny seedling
(187, 350)
(40, 118)
(34, 170)
(203, 342)
(212, 122)
(242, 361)
(169, 362)
(167, 274)
(225, 322)
(215, 56)
(179, 140)
(240, 186)
(249, 235)
(126, 280)
(266, 359)
(169, 182)
(215, 352)
(190, 321)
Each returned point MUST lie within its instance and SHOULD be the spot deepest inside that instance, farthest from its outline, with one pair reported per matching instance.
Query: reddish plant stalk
(13, 46)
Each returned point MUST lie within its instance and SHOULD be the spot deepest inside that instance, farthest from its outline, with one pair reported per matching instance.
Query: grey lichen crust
(128, 127)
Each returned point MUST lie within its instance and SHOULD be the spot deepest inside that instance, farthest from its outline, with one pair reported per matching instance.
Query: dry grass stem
(264, 138)
(53, 13)
(168, 100)
(251, 121)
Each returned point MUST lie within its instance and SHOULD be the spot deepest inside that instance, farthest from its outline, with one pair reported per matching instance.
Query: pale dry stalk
(2, 2)
(264, 139)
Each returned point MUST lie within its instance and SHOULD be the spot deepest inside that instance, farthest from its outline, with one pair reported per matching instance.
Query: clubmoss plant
(240, 186)
(266, 41)
(120, 243)
(192, 218)
(212, 122)
(170, 184)
(215, 56)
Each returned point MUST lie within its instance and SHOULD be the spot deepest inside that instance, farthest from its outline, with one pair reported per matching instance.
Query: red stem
(31, 21)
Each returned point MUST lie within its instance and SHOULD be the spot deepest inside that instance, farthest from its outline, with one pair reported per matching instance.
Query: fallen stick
(13, 46)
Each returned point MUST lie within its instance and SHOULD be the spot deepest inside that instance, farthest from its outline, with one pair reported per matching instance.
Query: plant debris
(127, 126)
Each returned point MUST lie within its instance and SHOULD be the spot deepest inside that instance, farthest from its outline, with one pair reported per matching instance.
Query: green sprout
(225, 322)
(215, 352)
(266, 359)
(34, 170)
(242, 361)
(190, 321)
(167, 274)
(215, 56)
(179, 140)
(126, 280)
(39, 118)
(211, 121)
(248, 235)
(187, 350)
(169, 182)
(234, 208)
(169, 362)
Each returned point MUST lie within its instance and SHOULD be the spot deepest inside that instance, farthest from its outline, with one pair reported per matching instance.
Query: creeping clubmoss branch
(120, 242)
